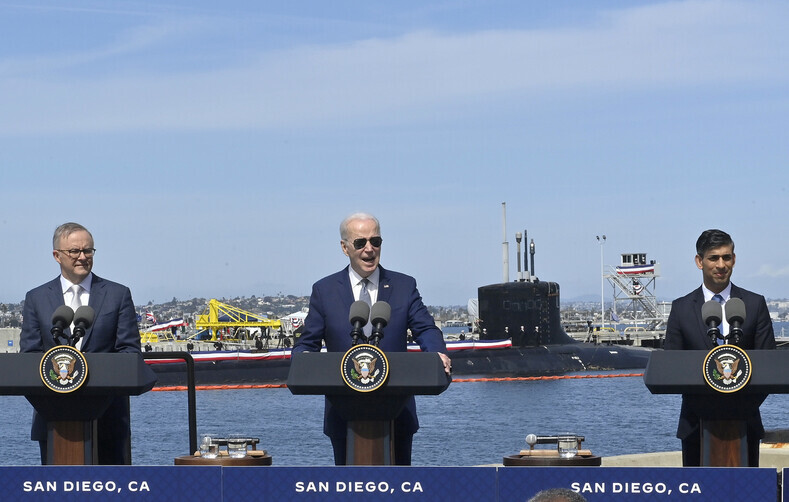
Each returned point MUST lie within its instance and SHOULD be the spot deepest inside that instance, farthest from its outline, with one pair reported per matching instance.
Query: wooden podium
(723, 415)
(71, 418)
(370, 415)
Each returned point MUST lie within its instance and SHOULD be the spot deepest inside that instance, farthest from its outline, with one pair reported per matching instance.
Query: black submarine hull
(547, 360)
(505, 362)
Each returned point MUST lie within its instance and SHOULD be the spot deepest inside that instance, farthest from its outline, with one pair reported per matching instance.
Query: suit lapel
(54, 294)
(55, 300)
(98, 293)
(698, 301)
(384, 285)
(344, 289)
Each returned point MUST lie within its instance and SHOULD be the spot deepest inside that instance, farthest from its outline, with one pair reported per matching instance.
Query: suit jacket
(114, 329)
(686, 331)
(327, 321)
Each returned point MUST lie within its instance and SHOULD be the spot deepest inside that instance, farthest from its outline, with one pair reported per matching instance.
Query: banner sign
(411, 484)
(117, 483)
(641, 483)
(351, 483)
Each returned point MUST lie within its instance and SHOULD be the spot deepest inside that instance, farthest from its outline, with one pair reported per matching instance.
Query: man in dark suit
(686, 331)
(327, 321)
(114, 329)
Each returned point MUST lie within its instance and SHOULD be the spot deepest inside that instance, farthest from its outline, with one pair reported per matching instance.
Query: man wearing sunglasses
(114, 329)
(327, 321)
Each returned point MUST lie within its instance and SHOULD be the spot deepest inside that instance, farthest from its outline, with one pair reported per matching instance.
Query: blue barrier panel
(480, 484)
(115, 483)
(360, 483)
(641, 483)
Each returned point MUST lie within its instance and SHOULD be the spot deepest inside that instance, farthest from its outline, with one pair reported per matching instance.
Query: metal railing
(190, 389)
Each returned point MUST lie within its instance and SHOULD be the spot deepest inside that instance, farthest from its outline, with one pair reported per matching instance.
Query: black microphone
(358, 316)
(83, 320)
(712, 313)
(61, 319)
(379, 316)
(735, 316)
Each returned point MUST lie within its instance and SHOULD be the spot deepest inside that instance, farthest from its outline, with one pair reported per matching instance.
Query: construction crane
(218, 316)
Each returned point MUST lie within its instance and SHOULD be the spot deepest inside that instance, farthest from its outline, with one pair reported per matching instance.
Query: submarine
(527, 313)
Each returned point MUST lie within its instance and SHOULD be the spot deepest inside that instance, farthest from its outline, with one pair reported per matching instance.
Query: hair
(711, 239)
(557, 495)
(357, 216)
(65, 230)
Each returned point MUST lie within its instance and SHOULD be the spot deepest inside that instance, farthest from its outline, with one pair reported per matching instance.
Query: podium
(723, 416)
(71, 418)
(370, 415)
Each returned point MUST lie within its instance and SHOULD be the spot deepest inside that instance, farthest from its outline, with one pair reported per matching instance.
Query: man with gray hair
(327, 321)
(114, 329)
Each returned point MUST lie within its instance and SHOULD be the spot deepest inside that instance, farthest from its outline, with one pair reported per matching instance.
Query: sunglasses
(361, 242)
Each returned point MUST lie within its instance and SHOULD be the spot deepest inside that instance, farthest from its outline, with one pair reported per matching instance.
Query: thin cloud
(687, 44)
(129, 42)
(772, 271)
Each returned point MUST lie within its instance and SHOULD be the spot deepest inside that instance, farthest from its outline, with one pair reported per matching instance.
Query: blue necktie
(719, 299)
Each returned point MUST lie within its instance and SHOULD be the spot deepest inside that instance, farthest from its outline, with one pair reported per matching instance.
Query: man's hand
(447, 363)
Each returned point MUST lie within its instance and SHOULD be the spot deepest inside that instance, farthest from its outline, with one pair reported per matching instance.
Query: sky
(212, 148)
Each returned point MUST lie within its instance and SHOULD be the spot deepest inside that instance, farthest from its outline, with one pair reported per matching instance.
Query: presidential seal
(364, 368)
(63, 369)
(727, 368)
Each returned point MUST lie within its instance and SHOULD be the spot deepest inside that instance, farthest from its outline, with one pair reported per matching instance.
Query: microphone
(61, 319)
(83, 320)
(735, 316)
(360, 312)
(379, 316)
(712, 313)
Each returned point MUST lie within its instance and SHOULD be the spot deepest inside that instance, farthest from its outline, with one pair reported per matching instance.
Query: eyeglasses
(361, 242)
(74, 253)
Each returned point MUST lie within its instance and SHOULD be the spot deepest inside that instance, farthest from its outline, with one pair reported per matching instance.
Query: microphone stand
(76, 334)
(735, 335)
(357, 334)
(57, 334)
(714, 334)
(377, 334)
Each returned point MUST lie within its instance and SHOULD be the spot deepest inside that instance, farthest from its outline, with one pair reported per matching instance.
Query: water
(473, 423)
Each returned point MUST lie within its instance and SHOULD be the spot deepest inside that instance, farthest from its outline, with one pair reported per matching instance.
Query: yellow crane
(218, 315)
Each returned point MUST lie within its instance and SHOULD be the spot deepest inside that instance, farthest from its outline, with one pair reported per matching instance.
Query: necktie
(364, 296)
(75, 304)
(75, 300)
(723, 327)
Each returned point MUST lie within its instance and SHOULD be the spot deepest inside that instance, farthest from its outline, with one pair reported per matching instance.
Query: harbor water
(472, 423)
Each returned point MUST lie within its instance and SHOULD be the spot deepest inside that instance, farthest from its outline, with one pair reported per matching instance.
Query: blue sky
(213, 149)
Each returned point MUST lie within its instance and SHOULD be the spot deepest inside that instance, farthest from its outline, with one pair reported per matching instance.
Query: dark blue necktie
(719, 299)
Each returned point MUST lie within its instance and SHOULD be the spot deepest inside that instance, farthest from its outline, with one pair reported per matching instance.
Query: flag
(150, 317)
(614, 317)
